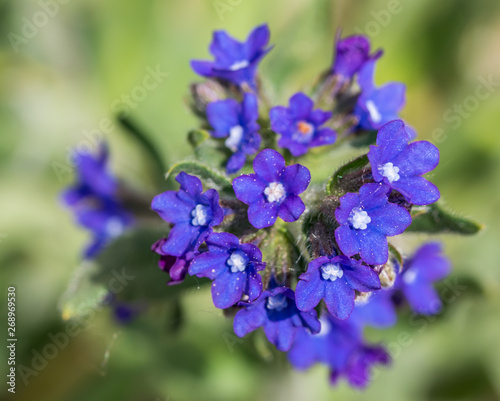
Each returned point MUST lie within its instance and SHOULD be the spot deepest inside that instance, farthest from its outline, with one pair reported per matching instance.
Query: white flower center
(200, 215)
(331, 271)
(359, 219)
(390, 171)
(277, 303)
(275, 192)
(374, 113)
(410, 276)
(114, 227)
(237, 261)
(238, 65)
(234, 138)
(325, 327)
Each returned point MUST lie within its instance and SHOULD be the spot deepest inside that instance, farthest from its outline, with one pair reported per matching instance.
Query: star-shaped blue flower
(340, 346)
(300, 126)
(400, 165)
(238, 123)
(232, 266)
(276, 311)
(235, 61)
(419, 274)
(366, 219)
(94, 201)
(351, 54)
(335, 280)
(377, 106)
(192, 213)
(273, 190)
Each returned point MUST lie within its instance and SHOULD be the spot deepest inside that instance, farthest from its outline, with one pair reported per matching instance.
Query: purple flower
(94, 201)
(378, 311)
(341, 347)
(366, 219)
(419, 273)
(400, 165)
(176, 267)
(232, 266)
(300, 125)
(377, 106)
(334, 279)
(238, 123)
(276, 311)
(273, 190)
(235, 61)
(192, 213)
(352, 53)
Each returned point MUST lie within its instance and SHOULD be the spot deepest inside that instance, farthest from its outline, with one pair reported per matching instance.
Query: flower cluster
(240, 240)
(308, 261)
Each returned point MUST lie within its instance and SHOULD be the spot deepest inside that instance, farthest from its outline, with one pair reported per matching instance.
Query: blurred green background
(66, 76)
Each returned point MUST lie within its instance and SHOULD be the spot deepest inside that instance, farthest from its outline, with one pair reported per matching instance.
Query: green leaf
(333, 184)
(82, 294)
(364, 139)
(435, 219)
(129, 269)
(204, 172)
(197, 137)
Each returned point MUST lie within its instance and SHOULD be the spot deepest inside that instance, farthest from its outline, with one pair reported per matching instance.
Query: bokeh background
(69, 74)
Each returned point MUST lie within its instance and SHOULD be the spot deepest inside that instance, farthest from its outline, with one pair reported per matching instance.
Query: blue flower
(94, 201)
(366, 219)
(94, 179)
(273, 190)
(232, 266)
(235, 61)
(176, 267)
(300, 125)
(276, 311)
(419, 273)
(377, 311)
(335, 280)
(400, 165)
(238, 123)
(192, 213)
(351, 54)
(377, 106)
(341, 347)
(106, 222)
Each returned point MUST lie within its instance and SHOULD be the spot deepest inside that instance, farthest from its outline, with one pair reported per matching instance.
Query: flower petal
(171, 208)
(339, 298)
(268, 165)
(263, 214)
(347, 240)
(300, 106)
(296, 179)
(249, 188)
(222, 116)
(417, 190)
(227, 289)
(291, 209)
(249, 318)
(209, 264)
(362, 278)
(309, 293)
(182, 237)
(373, 247)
